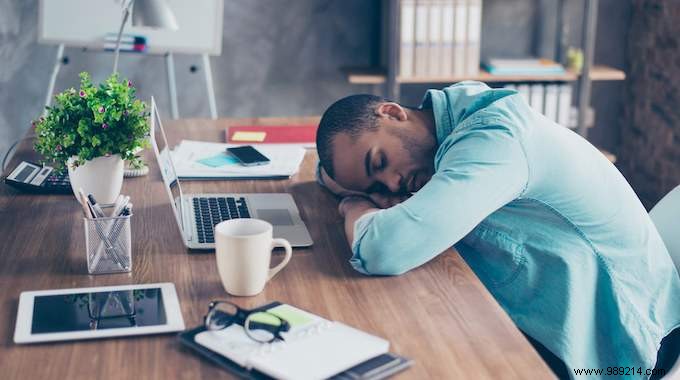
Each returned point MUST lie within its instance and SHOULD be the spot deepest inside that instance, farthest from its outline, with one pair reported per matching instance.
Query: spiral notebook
(314, 348)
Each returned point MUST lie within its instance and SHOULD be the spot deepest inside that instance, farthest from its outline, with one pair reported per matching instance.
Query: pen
(98, 212)
(83, 202)
(128, 209)
(120, 204)
(115, 233)
(117, 205)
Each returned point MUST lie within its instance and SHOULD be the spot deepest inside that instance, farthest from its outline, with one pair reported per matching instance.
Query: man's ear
(391, 110)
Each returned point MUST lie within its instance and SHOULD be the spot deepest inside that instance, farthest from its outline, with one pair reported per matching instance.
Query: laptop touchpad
(277, 217)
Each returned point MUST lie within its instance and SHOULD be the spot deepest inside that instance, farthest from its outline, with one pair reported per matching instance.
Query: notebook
(314, 348)
(377, 368)
(496, 66)
(304, 135)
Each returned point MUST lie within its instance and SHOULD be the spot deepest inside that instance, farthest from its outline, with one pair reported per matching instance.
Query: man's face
(389, 159)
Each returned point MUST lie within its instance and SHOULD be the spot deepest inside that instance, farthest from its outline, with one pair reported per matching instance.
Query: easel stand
(172, 84)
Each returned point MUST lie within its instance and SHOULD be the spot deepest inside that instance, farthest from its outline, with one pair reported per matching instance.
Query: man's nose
(392, 181)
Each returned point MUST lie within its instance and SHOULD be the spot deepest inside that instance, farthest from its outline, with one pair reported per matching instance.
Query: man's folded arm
(323, 179)
(478, 174)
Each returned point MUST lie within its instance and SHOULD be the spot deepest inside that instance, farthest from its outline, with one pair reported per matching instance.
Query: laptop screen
(162, 151)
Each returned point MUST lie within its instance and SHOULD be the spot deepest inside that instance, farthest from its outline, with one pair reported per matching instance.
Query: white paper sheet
(285, 161)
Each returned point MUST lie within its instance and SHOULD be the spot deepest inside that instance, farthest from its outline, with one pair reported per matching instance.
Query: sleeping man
(550, 227)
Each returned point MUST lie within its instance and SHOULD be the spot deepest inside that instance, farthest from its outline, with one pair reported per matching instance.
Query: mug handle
(289, 253)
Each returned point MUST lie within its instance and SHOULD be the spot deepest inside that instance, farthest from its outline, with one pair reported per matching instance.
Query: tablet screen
(98, 311)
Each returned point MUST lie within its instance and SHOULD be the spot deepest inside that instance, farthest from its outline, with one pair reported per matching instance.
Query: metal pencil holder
(108, 244)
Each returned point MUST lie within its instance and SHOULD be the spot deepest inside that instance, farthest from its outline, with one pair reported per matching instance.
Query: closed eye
(382, 163)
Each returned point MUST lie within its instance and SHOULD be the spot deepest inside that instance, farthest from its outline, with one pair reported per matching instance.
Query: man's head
(369, 144)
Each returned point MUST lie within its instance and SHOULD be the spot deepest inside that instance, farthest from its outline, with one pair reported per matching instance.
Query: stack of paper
(207, 160)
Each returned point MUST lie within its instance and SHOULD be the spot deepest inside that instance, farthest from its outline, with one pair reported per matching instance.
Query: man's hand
(333, 186)
(355, 205)
(352, 208)
(362, 203)
(381, 200)
(388, 200)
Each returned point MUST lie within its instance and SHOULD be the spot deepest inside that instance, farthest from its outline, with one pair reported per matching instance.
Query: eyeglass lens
(221, 316)
(262, 326)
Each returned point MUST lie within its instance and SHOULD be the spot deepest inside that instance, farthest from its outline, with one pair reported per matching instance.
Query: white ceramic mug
(243, 248)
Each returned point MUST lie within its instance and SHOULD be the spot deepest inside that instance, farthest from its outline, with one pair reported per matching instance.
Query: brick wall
(649, 155)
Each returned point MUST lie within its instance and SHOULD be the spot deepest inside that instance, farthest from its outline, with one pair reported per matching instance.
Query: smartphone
(248, 156)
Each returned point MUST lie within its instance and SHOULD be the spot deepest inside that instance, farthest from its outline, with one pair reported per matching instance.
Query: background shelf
(378, 76)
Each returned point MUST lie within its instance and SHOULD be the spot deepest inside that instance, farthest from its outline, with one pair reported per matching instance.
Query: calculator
(34, 178)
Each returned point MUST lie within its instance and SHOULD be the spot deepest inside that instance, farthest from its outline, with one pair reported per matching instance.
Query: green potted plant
(91, 132)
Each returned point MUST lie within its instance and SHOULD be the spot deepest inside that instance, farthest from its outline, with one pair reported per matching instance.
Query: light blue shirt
(547, 223)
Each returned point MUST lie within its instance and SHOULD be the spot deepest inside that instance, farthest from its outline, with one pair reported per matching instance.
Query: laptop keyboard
(208, 211)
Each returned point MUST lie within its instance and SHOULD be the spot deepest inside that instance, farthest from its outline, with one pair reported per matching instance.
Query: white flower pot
(102, 177)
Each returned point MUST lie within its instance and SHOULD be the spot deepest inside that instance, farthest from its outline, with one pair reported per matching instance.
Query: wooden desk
(440, 315)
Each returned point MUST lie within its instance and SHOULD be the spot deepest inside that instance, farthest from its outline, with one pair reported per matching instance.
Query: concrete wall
(282, 58)
(651, 133)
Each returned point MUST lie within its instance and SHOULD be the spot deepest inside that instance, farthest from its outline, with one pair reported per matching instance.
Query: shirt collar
(436, 100)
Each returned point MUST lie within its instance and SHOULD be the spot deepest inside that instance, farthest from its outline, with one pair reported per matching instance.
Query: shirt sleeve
(477, 173)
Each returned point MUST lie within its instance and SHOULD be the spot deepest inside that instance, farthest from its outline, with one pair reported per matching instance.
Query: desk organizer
(108, 244)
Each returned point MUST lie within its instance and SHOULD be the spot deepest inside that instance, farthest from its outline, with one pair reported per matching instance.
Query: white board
(86, 23)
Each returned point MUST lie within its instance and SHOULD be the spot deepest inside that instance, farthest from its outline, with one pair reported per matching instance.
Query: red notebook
(272, 134)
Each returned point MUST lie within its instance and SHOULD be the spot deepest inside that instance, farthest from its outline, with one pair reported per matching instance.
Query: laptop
(197, 214)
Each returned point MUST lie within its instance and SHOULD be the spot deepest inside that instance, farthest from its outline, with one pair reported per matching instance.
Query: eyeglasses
(261, 326)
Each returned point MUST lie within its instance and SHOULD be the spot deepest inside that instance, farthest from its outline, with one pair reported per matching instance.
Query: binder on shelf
(551, 101)
(421, 39)
(474, 31)
(460, 37)
(524, 91)
(439, 38)
(564, 108)
(448, 11)
(407, 40)
(536, 97)
(435, 38)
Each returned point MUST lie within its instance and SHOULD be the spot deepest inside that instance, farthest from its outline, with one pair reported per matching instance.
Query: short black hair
(353, 115)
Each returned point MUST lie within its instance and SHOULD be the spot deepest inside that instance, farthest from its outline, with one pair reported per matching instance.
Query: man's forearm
(353, 210)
